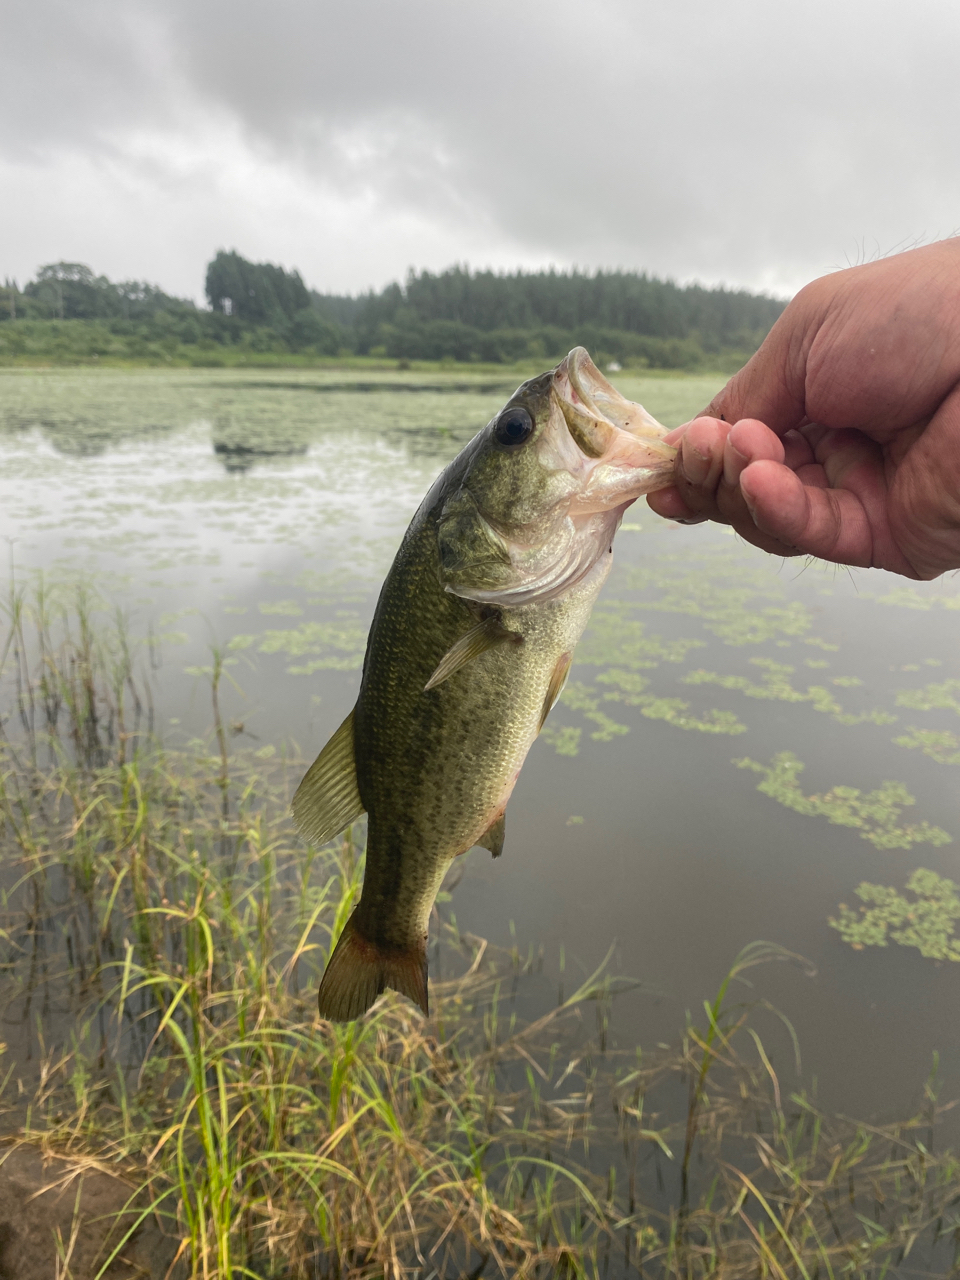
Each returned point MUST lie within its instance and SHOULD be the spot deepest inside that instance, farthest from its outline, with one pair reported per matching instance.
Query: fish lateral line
(487, 634)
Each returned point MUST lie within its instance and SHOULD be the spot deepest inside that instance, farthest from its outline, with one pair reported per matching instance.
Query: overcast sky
(751, 143)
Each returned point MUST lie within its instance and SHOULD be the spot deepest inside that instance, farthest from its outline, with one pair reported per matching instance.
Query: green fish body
(469, 648)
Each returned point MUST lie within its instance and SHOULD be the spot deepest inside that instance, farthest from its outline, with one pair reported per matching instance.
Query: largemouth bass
(469, 649)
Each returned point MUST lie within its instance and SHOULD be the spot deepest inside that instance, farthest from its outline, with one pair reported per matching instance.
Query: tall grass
(163, 933)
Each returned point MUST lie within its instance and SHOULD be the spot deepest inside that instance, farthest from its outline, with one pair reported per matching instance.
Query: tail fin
(359, 970)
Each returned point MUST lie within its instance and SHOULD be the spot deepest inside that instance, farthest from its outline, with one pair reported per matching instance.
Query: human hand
(841, 437)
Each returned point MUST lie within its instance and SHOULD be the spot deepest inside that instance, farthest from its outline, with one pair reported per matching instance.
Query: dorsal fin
(327, 799)
(477, 640)
(492, 838)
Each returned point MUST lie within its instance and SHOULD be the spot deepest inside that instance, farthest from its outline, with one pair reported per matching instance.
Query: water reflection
(239, 444)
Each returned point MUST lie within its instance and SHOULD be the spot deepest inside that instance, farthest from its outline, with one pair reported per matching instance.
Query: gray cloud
(747, 143)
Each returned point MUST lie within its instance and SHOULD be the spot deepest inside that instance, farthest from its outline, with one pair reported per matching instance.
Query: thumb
(771, 385)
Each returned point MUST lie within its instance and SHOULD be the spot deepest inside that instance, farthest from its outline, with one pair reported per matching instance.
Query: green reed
(167, 928)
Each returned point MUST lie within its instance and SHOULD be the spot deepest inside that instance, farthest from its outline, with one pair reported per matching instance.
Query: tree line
(457, 314)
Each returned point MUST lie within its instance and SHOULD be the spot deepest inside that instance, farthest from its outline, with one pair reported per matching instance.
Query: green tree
(254, 292)
(70, 291)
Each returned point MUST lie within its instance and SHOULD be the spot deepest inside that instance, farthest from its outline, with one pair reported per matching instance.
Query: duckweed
(875, 814)
(904, 596)
(580, 697)
(630, 691)
(942, 746)
(564, 739)
(932, 697)
(776, 686)
(674, 711)
(628, 682)
(927, 920)
(729, 595)
(616, 638)
(338, 645)
(281, 608)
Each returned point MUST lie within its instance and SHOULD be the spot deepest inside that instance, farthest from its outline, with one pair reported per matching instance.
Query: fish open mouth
(611, 451)
(622, 444)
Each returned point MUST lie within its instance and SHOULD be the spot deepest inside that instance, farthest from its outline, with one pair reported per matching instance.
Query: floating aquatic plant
(874, 814)
(630, 691)
(926, 920)
(906, 596)
(776, 686)
(579, 697)
(281, 608)
(338, 645)
(939, 744)
(676, 712)
(589, 701)
(735, 596)
(932, 697)
(565, 739)
(616, 637)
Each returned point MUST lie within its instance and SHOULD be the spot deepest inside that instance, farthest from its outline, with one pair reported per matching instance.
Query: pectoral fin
(327, 800)
(492, 838)
(477, 640)
(554, 689)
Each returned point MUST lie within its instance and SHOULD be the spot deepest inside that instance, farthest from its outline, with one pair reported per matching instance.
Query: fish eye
(513, 427)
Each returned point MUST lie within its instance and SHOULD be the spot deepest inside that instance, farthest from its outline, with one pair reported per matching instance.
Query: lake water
(664, 812)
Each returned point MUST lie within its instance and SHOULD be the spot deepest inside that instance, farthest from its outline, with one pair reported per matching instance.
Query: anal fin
(492, 838)
(554, 689)
(477, 640)
(358, 970)
(327, 799)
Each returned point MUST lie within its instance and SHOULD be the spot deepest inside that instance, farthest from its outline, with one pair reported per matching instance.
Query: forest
(262, 312)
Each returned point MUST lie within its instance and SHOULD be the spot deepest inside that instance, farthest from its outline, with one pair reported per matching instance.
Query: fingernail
(694, 465)
(748, 504)
(691, 519)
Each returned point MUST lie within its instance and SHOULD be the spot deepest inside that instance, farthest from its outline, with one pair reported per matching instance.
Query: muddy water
(743, 743)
